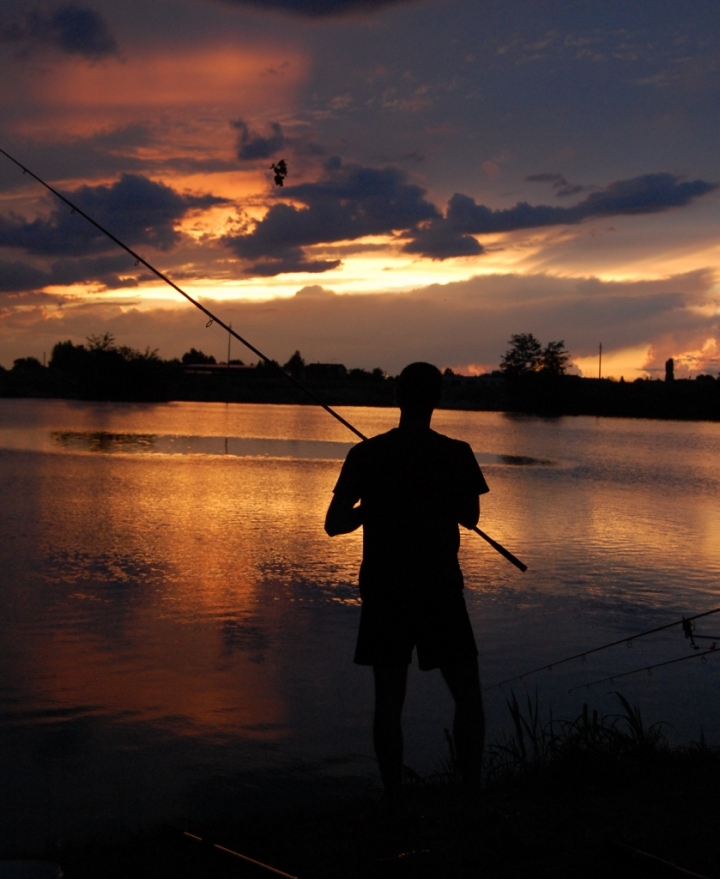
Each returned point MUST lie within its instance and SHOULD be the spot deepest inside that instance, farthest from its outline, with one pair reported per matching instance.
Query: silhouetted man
(409, 488)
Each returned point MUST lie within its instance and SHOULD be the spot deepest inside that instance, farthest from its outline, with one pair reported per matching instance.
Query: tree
(68, 358)
(523, 356)
(106, 342)
(554, 358)
(27, 364)
(194, 356)
(295, 365)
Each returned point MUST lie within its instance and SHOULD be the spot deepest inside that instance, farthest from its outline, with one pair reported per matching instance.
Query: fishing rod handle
(498, 547)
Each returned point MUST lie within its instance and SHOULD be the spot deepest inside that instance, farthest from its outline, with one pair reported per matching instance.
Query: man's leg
(390, 686)
(463, 679)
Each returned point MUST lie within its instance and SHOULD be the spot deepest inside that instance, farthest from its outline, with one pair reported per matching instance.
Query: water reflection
(175, 613)
(100, 441)
(524, 461)
(245, 447)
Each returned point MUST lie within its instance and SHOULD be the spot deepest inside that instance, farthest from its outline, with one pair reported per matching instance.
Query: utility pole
(600, 360)
(227, 374)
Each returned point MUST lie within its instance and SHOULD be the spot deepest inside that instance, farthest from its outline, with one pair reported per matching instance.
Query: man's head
(418, 390)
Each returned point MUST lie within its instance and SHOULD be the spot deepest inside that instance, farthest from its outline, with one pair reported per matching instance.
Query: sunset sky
(459, 170)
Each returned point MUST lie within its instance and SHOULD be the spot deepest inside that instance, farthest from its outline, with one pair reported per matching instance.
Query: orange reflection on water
(172, 584)
(187, 589)
(163, 559)
(176, 683)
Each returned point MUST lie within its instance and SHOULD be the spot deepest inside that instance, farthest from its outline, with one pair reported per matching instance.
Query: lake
(177, 630)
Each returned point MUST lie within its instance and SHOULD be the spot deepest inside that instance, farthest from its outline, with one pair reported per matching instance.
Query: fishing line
(658, 860)
(684, 622)
(647, 668)
(139, 260)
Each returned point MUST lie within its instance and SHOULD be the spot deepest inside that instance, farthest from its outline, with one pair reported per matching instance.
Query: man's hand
(342, 516)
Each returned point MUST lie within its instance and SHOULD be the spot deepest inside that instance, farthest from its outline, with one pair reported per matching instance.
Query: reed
(536, 744)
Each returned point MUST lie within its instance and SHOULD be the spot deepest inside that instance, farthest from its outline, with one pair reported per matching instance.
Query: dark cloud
(318, 8)
(647, 194)
(135, 209)
(19, 276)
(291, 260)
(438, 240)
(251, 145)
(73, 29)
(113, 272)
(561, 186)
(349, 203)
(352, 202)
(650, 193)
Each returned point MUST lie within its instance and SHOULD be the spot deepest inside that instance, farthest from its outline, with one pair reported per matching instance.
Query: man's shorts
(441, 632)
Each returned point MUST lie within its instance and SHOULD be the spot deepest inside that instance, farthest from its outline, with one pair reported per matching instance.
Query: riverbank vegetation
(531, 379)
(597, 796)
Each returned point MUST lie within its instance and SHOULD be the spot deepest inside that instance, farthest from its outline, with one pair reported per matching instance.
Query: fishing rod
(139, 260)
(685, 622)
(229, 851)
(647, 668)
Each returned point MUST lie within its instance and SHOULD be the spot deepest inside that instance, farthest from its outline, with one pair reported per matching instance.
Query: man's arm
(469, 511)
(342, 515)
(471, 484)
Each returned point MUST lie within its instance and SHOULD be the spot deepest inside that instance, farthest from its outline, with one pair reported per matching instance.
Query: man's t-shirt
(413, 486)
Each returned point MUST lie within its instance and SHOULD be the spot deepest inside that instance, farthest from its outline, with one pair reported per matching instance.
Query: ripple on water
(179, 616)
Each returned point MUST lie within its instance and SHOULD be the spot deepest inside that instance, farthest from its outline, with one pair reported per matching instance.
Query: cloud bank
(350, 202)
(318, 8)
(353, 201)
(137, 210)
(69, 28)
(647, 194)
(457, 325)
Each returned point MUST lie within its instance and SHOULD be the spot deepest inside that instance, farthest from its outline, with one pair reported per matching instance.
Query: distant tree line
(101, 369)
(531, 378)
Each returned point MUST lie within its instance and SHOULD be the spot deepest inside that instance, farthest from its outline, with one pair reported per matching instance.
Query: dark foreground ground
(580, 814)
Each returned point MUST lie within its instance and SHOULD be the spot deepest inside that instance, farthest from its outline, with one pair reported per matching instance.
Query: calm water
(177, 630)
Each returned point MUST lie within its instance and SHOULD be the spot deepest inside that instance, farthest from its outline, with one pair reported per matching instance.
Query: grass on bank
(567, 798)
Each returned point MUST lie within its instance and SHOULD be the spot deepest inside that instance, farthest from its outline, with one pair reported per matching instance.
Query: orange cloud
(219, 75)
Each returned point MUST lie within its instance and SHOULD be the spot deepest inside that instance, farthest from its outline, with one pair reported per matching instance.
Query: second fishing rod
(139, 260)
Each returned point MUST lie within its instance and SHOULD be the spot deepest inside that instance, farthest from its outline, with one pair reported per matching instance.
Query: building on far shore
(325, 371)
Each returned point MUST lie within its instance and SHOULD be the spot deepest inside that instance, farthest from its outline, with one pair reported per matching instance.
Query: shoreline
(628, 817)
(597, 796)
